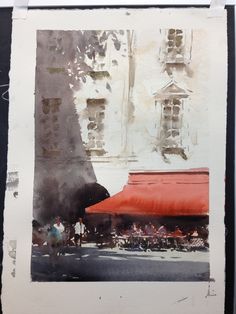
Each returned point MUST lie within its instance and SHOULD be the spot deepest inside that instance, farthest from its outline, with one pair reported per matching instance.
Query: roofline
(166, 171)
(172, 81)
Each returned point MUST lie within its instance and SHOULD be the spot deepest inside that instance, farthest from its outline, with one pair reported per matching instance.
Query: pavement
(89, 263)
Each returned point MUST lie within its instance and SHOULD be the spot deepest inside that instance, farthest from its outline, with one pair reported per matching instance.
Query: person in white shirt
(59, 226)
(79, 231)
(55, 240)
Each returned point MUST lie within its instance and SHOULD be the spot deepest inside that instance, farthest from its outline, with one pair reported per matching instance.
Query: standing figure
(54, 244)
(162, 236)
(79, 231)
(59, 226)
(61, 234)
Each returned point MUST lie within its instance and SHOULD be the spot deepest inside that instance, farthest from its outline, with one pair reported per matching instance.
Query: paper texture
(117, 116)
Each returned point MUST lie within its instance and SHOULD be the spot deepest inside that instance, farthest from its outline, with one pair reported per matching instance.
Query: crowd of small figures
(135, 237)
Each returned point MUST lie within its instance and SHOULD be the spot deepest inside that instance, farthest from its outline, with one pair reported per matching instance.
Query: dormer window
(172, 101)
(171, 117)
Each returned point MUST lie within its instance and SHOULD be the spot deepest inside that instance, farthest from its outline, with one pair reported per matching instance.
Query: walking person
(60, 231)
(59, 226)
(79, 231)
(54, 244)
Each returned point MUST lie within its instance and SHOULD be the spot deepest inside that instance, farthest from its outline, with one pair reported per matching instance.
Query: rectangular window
(171, 120)
(95, 126)
(175, 45)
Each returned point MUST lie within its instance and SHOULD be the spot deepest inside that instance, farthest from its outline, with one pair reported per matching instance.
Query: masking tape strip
(216, 8)
(20, 9)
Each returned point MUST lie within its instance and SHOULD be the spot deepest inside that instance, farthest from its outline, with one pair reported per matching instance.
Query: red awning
(178, 193)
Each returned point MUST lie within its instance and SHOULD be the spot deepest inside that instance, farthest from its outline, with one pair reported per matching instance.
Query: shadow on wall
(70, 203)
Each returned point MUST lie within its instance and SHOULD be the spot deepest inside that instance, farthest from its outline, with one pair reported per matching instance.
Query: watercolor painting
(121, 183)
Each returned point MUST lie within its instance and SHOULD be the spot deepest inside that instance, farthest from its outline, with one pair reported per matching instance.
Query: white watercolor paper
(204, 86)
